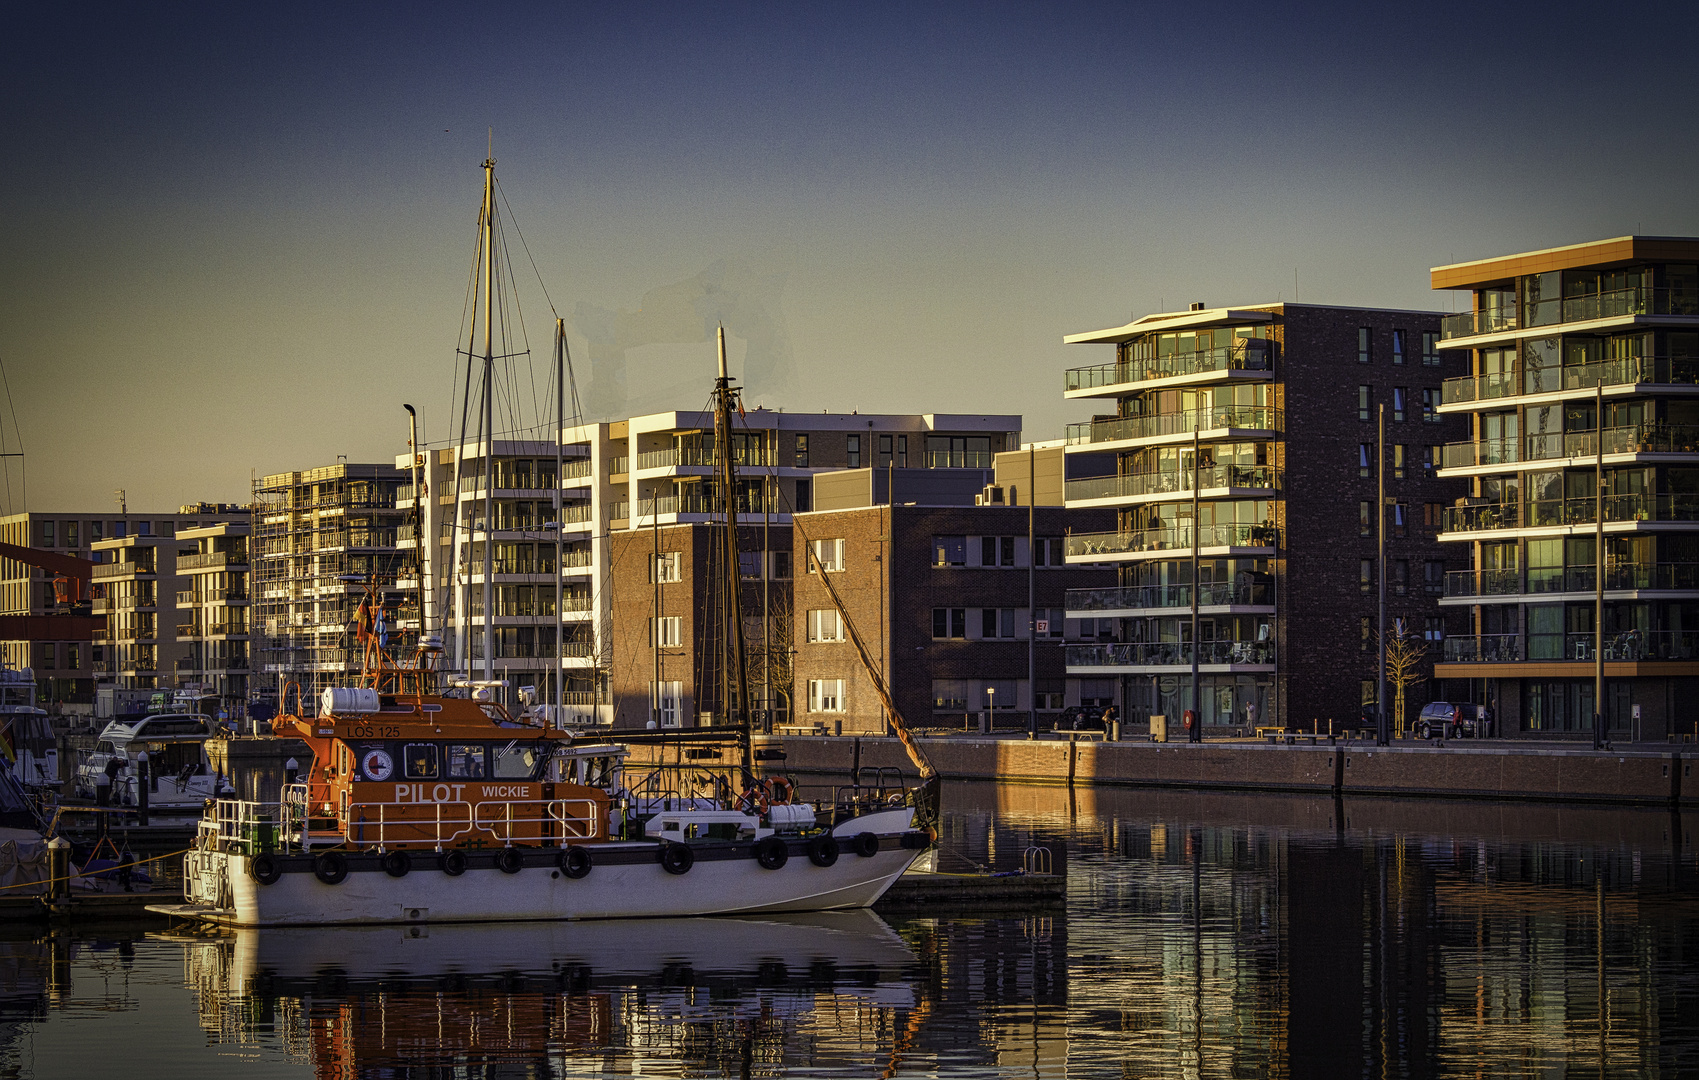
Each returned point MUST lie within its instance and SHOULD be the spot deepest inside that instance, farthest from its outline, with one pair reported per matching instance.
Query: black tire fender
(453, 863)
(575, 862)
(397, 863)
(771, 853)
(865, 844)
(677, 858)
(823, 850)
(330, 867)
(509, 860)
(265, 869)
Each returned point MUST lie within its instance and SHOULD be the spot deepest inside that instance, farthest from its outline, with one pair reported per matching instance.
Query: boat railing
(502, 821)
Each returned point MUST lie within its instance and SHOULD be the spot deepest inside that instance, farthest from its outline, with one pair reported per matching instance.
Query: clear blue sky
(236, 236)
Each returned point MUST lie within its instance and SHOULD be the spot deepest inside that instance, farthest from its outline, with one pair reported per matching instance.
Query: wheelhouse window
(516, 762)
(466, 761)
(420, 761)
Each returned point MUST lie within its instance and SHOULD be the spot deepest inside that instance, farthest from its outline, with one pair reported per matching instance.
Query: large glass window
(1542, 299)
(465, 761)
(516, 762)
(419, 761)
(1545, 631)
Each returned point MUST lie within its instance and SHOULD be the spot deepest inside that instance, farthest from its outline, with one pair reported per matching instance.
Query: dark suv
(1444, 720)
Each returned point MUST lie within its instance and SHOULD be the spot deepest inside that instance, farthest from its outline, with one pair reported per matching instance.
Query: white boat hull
(627, 880)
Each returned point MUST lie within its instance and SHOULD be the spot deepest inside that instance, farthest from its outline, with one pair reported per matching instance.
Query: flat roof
(1602, 253)
(1222, 316)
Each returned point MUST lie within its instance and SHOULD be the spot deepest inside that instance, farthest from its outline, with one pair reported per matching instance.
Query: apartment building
(212, 609)
(1581, 395)
(947, 597)
(316, 539)
(66, 672)
(1246, 460)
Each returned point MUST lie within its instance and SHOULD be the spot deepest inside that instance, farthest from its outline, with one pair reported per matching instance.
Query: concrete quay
(1643, 774)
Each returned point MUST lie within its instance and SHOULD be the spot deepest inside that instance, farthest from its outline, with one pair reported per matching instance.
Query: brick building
(938, 589)
(1275, 408)
(1549, 336)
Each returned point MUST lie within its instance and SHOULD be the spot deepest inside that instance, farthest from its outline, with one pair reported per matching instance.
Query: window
(1433, 515)
(949, 695)
(666, 705)
(1433, 577)
(71, 537)
(825, 695)
(998, 622)
(1368, 689)
(465, 761)
(671, 629)
(1049, 622)
(1398, 346)
(1398, 461)
(1430, 350)
(884, 450)
(1366, 518)
(118, 530)
(1365, 402)
(1430, 405)
(1400, 577)
(825, 624)
(144, 528)
(1048, 551)
(665, 567)
(852, 451)
(1366, 575)
(782, 565)
(1436, 628)
(749, 564)
(419, 761)
(1366, 636)
(1400, 519)
(996, 551)
(949, 623)
(804, 501)
(828, 553)
(902, 451)
(1364, 345)
(1366, 460)
(45, 534)
(94, 530)
(1431, 457)
(802, 451)
(949, 551)
(1399, 393)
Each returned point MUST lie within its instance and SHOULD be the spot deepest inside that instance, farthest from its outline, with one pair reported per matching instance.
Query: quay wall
(1642, 777)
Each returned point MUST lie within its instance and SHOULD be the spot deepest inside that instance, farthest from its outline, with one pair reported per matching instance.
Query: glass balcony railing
(1169, 653)
(1558, 579)
(1633, 439)
(1483, 649)
(1621, 371)
(1245, 417)
(1137, 597)
(1250, 355)
(697, 456)
(1177, 538)
(1550, 513)
(1261, 477)
(959, 459)
(1471, 323)
(1614, 304)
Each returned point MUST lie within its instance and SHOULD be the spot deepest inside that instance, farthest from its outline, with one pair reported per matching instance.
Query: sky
(236, 237)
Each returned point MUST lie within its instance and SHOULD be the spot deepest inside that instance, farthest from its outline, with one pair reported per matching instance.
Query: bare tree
(1406, 654)
(772, 658)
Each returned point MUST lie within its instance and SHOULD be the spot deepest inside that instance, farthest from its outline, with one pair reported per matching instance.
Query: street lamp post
(991, 697)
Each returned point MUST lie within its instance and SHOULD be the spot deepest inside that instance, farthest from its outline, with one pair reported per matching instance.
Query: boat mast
(560, 481)
(735, 664)
(489, 415)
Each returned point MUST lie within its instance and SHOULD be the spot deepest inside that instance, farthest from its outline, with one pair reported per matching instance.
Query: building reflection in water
(1204, 936)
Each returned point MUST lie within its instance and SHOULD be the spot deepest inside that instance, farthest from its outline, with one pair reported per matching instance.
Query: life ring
(779, 790)
(677, 858)
(755, 799)
(865, 844)
(771, 853)
(575, 862)
(453, 863)
(823, 850)
(397, 863)
(330, 867)
(509, 860)
(265, 869)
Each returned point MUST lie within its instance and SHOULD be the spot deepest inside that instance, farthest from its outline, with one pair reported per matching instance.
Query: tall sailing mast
(489, 241)
(734, 660)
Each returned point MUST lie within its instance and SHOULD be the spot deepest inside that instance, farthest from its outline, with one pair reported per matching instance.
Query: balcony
(1262, 478)
(700, 457)
(1251, 418)
(1483, 649)
(1621, 371)
(121, 569)
(1619, 577)
(1633, 439)
(1149, 654)
(1615, 304)
(691, 503)
(619, 466)
(1170, 541)
(1628, 646)
(1089, 602)
(1559, 513)
(1249, 355)
(210, 559)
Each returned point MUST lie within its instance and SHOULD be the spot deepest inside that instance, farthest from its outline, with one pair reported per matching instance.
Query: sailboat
(423, 805)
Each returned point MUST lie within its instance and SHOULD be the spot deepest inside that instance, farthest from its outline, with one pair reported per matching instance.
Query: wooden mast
(734, 666)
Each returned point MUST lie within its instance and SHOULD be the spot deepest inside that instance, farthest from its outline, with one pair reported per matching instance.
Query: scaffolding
(317, 538)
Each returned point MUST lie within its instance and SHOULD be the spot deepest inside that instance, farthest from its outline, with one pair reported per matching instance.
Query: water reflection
(1204, 936)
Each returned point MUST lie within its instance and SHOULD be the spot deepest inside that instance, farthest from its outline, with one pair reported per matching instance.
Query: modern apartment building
(1582, 393)
(316, 539)
(947, 597)
(1273, 410)
(212, 610)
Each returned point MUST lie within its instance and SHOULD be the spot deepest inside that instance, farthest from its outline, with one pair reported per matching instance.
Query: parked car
(1445, 720)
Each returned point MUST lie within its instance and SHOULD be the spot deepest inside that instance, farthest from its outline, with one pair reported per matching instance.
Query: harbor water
(1203, 935)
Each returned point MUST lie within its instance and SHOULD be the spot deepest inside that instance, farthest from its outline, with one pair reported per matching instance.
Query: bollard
(144, 787)
(837, 727)
(59, 868)
(1115, 730)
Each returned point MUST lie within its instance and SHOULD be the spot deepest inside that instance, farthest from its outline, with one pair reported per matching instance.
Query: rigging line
(526, 248)
(10, 508)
